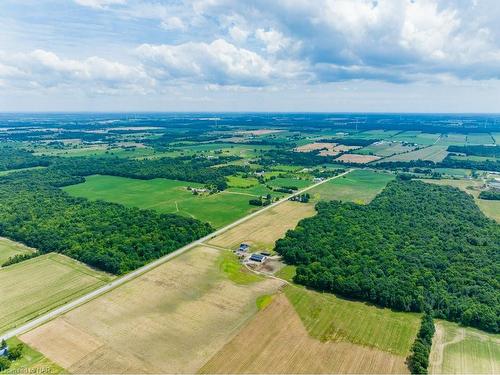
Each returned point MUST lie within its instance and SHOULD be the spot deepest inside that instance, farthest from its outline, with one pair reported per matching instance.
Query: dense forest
(416, 245)
(108, 236)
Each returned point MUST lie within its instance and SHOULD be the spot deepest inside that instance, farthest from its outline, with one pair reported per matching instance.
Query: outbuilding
(258, 258)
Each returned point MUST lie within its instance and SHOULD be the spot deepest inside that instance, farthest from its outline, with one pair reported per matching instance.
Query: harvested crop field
(263, 230)
(356, 158)
(315, 146)
(170, 320)
(461, 350)
(9, 248)
(276, 341)
(327, 149)
(359, 186)
(41, 284)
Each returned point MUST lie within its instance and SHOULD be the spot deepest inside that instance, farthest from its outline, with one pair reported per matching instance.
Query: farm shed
(257, 257)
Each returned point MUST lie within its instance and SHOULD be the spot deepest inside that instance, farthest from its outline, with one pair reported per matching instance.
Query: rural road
(132, 275)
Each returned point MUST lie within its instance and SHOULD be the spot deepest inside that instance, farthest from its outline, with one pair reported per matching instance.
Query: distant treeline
(448, 162)
(307, 159)
(351, 141)
(479, 150)
(187, 168)
(15, 158)
(416, 245)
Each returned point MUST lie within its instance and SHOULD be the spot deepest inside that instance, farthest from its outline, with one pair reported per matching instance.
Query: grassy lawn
(32, 362)
(38, 285)
(10, 248)
(329, 318)
(167, 196)
(463, 350)
(230, 265)
(359, 186)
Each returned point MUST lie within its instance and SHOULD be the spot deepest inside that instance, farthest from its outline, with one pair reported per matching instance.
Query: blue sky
(274, 55)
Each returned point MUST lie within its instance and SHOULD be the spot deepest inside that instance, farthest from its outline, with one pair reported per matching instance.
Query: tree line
(414, 245)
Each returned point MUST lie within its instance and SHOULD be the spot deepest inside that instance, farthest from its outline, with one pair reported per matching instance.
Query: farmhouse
(258, 258)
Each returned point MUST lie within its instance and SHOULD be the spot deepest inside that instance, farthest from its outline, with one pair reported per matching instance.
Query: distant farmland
(40, 284)
(432, 153)
(359, 186)
(168, 196)
(460, 350)
(307, 332)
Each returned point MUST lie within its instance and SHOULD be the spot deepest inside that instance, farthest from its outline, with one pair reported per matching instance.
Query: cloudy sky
(250, 55)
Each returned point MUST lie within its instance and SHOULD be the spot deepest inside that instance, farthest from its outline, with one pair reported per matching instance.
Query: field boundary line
(148, 267)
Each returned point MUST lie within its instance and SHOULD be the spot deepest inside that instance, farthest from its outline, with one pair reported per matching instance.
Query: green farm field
(9, 248)
(384, 149)
(38, 285)
(167, 196)
(285, 182)
(330, 318)
(301, 331)
(480, 138)
(359, 186)
(463, 350)
(417, 137)
(449, 139)
(432, 153)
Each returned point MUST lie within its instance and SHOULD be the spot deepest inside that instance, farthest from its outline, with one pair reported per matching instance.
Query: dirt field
(275, 341)
(315, 146)
(263, 230)
(356, 158)
(170, 320)
(459, 350)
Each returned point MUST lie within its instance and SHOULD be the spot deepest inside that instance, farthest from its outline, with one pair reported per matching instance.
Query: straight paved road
(132, 275)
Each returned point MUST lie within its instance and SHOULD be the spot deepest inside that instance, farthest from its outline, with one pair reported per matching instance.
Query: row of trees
(477, 150)
(492, 195)
(418, 361)
(414, 245)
